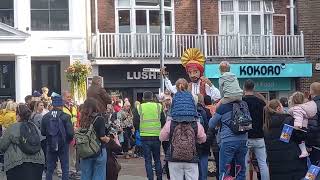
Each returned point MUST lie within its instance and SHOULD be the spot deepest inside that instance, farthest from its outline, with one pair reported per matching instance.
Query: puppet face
(194, 74)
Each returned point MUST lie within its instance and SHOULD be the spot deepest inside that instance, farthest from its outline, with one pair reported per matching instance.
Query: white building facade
(38, 40)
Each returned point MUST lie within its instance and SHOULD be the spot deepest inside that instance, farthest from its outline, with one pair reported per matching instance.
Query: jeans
(259, 148)
(203, 166)
(151, 149)
(94, 168)
(183, 171)
(52, 158)
(236, 150)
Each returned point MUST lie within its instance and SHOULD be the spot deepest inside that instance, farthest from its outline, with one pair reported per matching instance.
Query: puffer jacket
(229, 85)
(313, 134)
(302, 112)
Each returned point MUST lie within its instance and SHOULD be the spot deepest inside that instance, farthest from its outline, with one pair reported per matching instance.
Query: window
(227, 24)
(124, 21)
(49, 15)
(255, 5)
(226, 6)
(268, 6)
(243, 5)
(152, 2)
(7, 12)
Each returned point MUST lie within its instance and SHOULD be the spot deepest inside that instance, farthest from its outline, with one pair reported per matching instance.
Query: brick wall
(308, 12)
(210, 16)
(106, 13)
(185, 16)
(280, 8)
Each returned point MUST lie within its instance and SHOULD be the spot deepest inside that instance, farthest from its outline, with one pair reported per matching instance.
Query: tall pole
(162, 41)
(291, 17)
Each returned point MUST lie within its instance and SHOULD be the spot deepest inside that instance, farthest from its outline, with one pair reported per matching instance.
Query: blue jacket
(223, 116)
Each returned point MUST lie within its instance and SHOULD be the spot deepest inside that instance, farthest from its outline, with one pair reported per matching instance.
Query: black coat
(283, 158)
(313, 135)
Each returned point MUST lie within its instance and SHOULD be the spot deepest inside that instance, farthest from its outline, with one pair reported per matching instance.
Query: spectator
(57, 127)
(97, 92)
(313, 134)
(149, 119)
(17, 164)
(255, 135)
(28, 100)
(10, 114)
(113, 166)
(285, 104)
(183, 124)
(94, 168)
(44, 96)
(283, 158)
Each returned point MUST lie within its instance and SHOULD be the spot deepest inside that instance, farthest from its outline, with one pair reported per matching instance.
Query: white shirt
(212, 91)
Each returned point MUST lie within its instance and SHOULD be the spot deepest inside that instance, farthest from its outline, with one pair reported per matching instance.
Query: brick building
(252, 34)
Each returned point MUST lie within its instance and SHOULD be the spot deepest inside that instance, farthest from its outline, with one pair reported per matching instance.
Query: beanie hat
(183, 108)
(147, 95)
(57, 101)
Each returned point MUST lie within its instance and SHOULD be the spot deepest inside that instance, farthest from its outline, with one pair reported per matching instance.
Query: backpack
(87, 143)
(241, 121)
(56, 131)
(29, 140)
(183, 141)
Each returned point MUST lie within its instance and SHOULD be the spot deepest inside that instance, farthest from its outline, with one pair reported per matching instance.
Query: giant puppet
(193, 61)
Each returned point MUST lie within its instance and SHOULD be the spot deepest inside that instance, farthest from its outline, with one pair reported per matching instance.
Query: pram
(226, 175)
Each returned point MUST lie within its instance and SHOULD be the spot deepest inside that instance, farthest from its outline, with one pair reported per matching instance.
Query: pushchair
(226, 175)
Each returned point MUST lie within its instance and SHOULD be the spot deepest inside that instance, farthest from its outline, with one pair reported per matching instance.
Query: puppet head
(193, 60)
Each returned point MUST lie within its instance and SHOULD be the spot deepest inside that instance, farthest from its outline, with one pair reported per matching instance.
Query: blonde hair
(11, 106)
(182, 84)
(269, 110)
(297, 98)
(45, 89)
(315, 89)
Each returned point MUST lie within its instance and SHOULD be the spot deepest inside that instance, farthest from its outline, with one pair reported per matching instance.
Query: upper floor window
(167, 3)
(49, 15)
(7, 12)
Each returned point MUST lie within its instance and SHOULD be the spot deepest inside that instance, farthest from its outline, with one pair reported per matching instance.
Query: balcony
(135, 45)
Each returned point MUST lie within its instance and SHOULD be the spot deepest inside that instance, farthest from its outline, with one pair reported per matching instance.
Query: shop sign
(143, 76)
(263, 70)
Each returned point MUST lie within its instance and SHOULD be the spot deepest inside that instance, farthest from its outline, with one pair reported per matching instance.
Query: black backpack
(56, 132)
(29, 140)
(241, 121)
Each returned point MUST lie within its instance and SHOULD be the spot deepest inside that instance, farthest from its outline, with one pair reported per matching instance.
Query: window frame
(49, 9)
(13, 14)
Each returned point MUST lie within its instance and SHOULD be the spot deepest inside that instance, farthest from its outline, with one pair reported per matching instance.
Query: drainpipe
(96, 15)
(291, 17)
(199, 16)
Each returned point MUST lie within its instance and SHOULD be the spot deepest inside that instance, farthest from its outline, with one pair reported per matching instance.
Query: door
(7, 80)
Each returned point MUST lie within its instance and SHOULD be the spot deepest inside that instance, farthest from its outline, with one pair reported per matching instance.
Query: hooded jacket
(229, 85)
(302, 112)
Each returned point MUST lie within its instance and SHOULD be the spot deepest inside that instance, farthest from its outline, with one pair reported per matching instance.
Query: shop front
(272, 80)
(129, 81)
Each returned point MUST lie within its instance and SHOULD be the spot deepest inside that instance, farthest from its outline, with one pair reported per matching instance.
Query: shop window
(49, 15)
(7, 12)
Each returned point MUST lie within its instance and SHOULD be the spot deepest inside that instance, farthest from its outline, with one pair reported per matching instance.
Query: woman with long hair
(284, 161)
(17, 164)
(94, 168)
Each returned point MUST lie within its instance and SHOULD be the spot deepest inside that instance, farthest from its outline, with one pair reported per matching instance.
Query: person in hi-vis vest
(149, 119)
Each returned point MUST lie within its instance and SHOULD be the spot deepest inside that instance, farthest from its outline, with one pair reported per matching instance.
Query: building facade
(38, 40)
(252, 34)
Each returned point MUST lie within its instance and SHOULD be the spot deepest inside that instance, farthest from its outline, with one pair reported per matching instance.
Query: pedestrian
(18, 163)
(97, 92)
(313, 134)
(285, 104)
(94, 167)
(283, 158)
(126, 119)
(9, 115)
(28, 100)
(255, 135)
(150, 118)
(301, 111)
(57, 127)
(184, 131)
(44, 96)
(113, 166)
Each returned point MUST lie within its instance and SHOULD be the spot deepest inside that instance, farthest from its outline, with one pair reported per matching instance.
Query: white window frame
(133, 7)
(236, 14)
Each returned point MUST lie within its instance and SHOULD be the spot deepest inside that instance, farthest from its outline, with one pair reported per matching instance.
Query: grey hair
(224, 66)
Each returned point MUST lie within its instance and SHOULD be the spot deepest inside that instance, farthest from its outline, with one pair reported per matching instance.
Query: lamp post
(162, 42)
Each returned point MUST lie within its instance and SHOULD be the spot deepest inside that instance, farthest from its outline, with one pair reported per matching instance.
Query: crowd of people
(234, 126)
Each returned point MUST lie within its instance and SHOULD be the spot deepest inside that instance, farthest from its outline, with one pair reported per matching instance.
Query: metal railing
(145, 45)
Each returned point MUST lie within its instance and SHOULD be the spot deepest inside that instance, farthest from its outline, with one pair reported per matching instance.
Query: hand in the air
(163, 71)
(206, 80)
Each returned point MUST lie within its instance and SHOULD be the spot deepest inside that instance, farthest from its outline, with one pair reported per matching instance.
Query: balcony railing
(136, 45)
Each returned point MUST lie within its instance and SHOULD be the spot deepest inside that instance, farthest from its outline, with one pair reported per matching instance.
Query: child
(229, 84)
(301, 111)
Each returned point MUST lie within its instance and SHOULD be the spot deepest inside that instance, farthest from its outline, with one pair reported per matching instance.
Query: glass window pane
(226, 6)
(123, 2)
(227, 24)
(39, 4)
(124, 21)
(7, 17)
(255, 6)
(141, 21)
(6, 4)
(267, 24)
(59, 4)
(168, 21)
(59, 20)
(39, 20)
(147, 2)
(256, 24)
(154, 21)
(167, 3)
(243, 5)
(243, 24)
